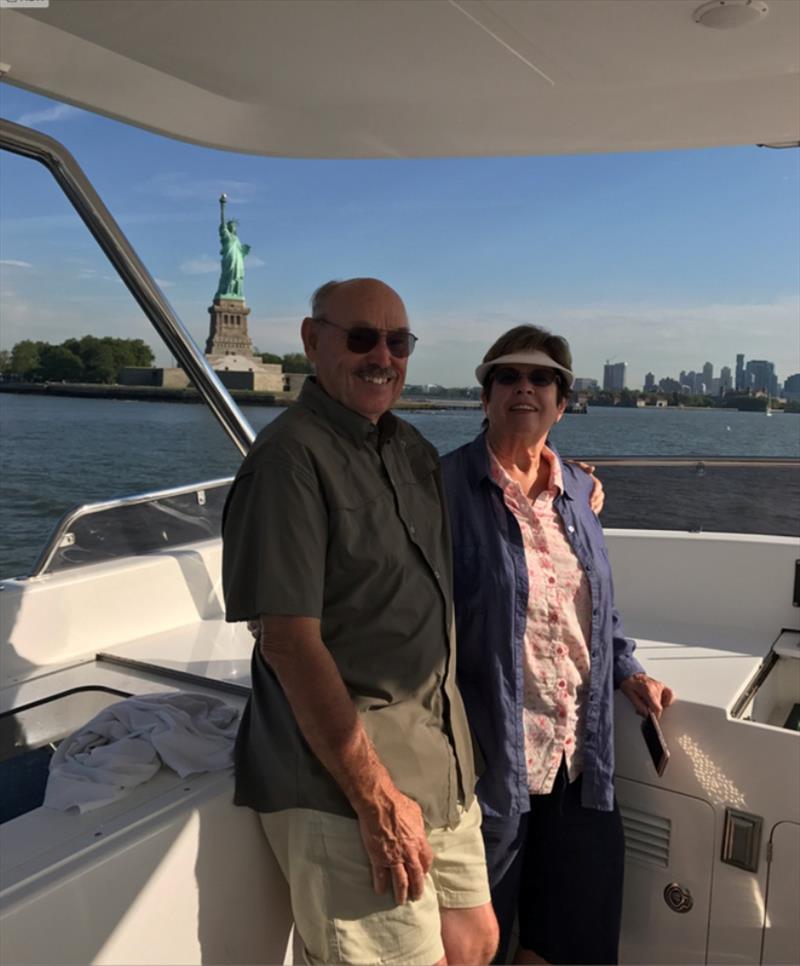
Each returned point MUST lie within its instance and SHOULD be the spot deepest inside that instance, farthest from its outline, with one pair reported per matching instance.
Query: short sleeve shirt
(333, 517)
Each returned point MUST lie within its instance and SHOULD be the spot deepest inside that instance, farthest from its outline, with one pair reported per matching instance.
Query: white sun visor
(529, 358)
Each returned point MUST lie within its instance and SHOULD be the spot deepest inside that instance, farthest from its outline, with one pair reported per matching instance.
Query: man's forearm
(324, 709)
(392, 825)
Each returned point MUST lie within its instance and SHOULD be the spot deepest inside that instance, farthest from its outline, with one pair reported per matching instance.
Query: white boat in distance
(173, 873)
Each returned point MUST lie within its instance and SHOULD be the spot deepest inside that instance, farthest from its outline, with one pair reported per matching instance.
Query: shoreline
(250, 397)
(244, 397)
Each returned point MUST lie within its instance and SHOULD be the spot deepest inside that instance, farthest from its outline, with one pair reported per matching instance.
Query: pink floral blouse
(556, 658)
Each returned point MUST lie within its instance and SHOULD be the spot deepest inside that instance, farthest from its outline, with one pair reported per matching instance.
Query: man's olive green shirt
(333, 517)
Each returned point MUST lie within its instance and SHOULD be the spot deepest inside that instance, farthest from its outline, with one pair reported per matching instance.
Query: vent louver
(646, 836)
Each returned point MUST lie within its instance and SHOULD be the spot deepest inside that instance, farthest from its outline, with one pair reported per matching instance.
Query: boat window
(78, 423)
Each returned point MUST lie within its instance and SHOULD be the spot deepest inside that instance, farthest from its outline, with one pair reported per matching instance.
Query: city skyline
(633, 256)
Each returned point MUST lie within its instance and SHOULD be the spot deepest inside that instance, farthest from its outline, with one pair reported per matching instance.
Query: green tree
(57, 364)
(25, 358)
(98, 360)
(5, 361)
(129, 352)
(142, 353)
(296, 362)
(270, 357)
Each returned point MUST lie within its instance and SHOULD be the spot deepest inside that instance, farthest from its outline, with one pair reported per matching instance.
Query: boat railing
(78, 189)
(716, 494)
(134, 525)
(698, 494)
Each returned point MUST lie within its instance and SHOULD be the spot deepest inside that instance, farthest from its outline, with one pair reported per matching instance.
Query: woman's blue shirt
(491, 600)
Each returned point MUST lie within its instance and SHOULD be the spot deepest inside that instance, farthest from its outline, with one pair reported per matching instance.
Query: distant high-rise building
(692, 382)
(791, 387)
(649, 382)
(740, 383)
(669, 385)
(725, 379)
(708, 376)
(614, 375)
(583, 384)
(760, 376)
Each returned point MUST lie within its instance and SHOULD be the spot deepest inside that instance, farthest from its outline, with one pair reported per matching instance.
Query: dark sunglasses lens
(541, 377)
(400, 344)
(362, 339)
(506, 377)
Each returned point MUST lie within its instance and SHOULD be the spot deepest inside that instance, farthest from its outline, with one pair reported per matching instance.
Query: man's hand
(393, 832)
(646, 694)
(391, 824)
(597, 497)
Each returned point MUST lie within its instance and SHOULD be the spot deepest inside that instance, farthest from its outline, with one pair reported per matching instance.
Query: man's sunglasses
(507, 376)
(363, 338)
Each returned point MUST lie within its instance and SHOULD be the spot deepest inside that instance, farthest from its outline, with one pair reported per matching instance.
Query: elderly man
(354, 747)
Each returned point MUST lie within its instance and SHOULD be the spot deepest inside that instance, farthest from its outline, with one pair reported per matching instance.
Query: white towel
(127, 742)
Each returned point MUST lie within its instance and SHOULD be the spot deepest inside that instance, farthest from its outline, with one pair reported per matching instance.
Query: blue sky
(664, 260)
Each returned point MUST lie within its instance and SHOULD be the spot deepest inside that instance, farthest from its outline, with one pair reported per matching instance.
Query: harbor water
(56, 453)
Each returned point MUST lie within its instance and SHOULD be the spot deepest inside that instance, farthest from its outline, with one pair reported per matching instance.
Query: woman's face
(517, 408)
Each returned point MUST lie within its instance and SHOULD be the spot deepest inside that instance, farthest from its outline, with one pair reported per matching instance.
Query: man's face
(367, 383)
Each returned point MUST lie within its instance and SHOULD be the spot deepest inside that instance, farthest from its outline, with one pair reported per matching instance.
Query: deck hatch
(647, 836)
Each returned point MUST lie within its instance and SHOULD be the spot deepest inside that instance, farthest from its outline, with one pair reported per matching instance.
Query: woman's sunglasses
(363, 338)
(507, 376)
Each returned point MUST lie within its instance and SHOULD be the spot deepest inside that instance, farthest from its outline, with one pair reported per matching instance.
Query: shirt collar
(502, 479)
(344, 420)
(478, 464)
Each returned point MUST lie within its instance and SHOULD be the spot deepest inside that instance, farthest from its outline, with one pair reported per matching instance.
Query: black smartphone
(656, 745)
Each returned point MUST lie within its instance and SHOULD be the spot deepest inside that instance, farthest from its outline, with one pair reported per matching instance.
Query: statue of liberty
(232, 252)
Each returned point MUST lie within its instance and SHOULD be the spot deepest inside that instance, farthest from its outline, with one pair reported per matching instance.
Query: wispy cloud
(60, 112)
(15, 263)
(178, 186)
(664, 338)
(253, 261)
(92, 275)
(163, 283)
(204, 265)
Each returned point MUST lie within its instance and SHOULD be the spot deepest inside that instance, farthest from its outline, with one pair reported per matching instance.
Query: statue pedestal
(227, 333)
(229, 349)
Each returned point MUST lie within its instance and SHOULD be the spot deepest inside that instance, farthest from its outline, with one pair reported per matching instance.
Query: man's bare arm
(391, 824)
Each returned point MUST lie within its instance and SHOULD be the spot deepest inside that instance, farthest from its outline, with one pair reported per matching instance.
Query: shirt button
(412, 529)
(551, 580)
(588, 568)
(436, 574)
(596, 611)
(570, 529)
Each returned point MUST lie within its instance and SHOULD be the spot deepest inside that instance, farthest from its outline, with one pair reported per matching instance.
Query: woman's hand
(646, 694)
(597, 497)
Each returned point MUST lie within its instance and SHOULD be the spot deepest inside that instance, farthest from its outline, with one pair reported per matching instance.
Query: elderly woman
(540, 652)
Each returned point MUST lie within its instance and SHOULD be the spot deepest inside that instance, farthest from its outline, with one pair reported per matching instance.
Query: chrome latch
(678, 898)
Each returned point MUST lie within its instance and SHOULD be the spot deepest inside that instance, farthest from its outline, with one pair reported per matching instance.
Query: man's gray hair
(320, 297)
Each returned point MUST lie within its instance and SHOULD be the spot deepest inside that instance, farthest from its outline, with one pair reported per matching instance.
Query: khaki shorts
(338, 914)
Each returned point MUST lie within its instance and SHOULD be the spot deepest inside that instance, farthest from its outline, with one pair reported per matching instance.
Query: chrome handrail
(140, 283)
(69, 519)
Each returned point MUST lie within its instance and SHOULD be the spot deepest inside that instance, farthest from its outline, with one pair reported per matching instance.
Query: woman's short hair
(524, 338)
